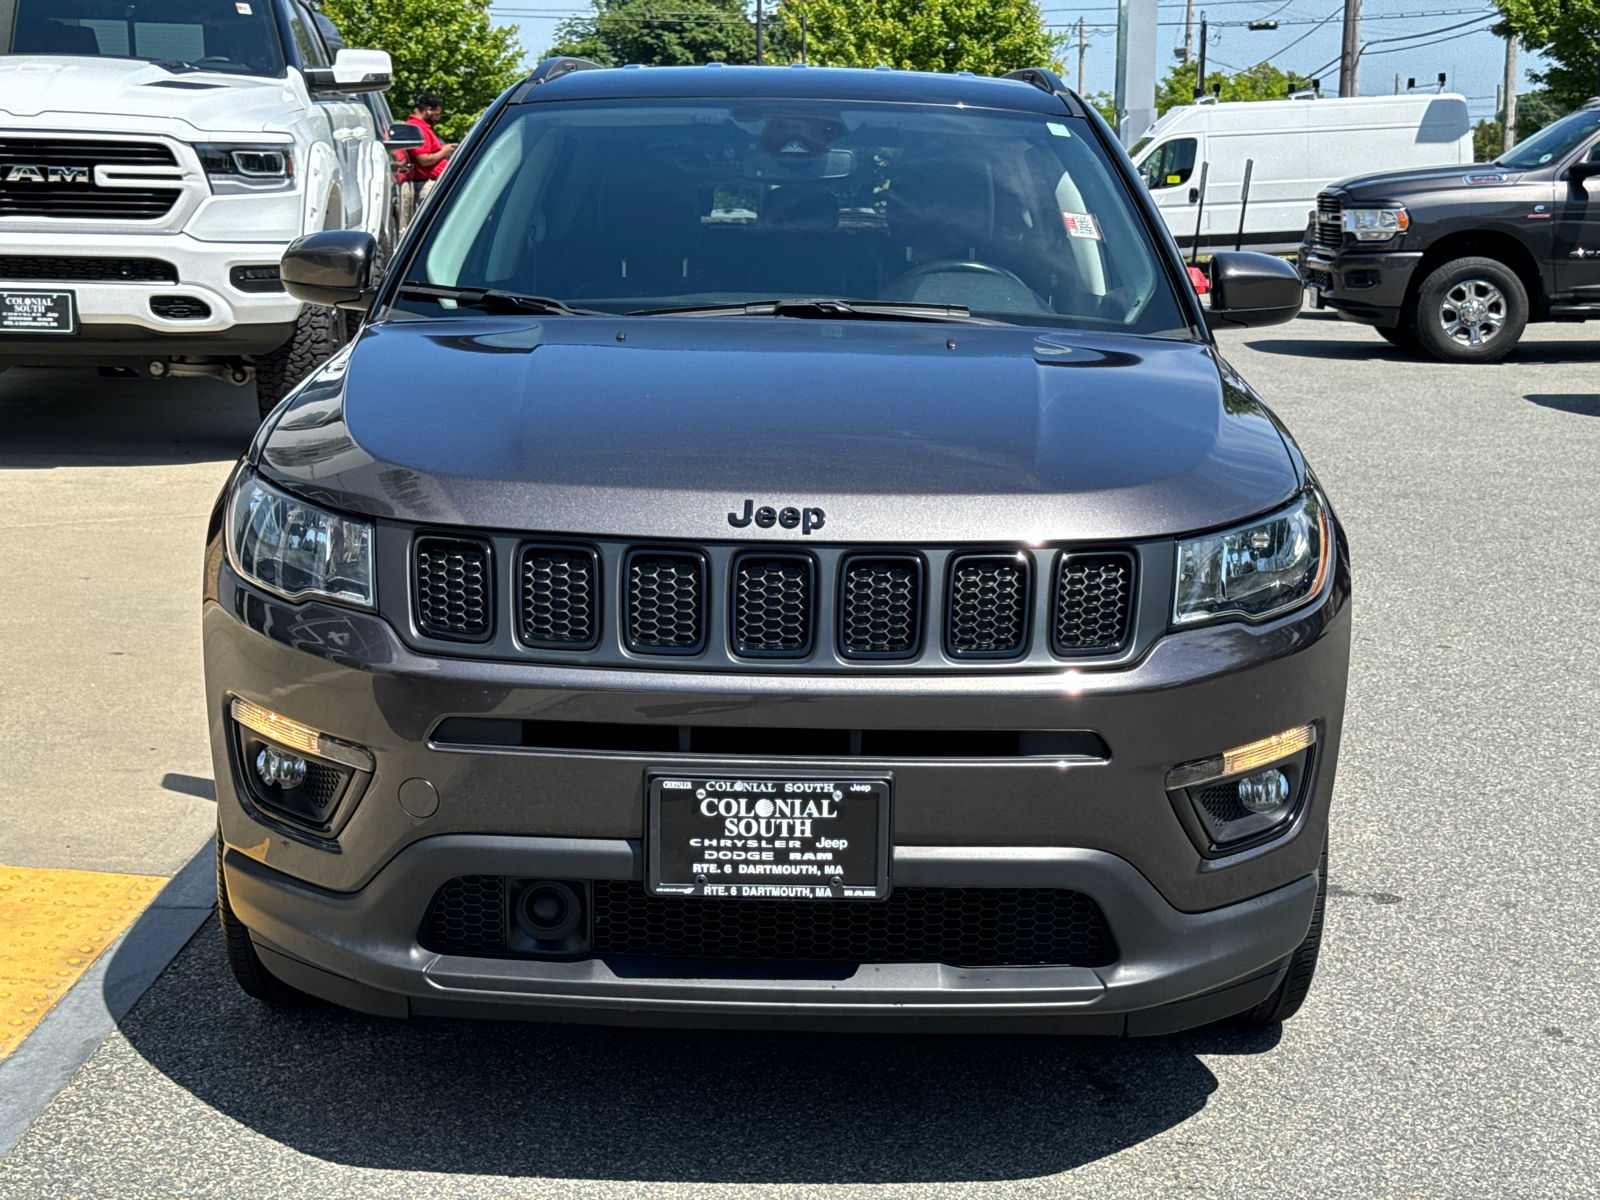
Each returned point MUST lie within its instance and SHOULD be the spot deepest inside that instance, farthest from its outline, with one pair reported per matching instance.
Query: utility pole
(1510, 139)
(1350, 50)
(1397, 83)
(1188, 32)
(1200, 77)
(1082, 46)
(803, 35)
(760, 49)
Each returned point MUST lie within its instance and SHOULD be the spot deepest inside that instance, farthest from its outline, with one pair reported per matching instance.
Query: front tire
(1471, 310)
(1290, 994)
(248, 970)
(318, 334)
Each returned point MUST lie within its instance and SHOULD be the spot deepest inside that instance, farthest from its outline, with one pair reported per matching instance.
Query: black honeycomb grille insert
(971, 927)
(880, 606)
(321, 785)
(467, 917)
(87, 270)
(455, 585)
(559, 603)
(1094, 602)
(772, 605)
(988, 612)
(666, 602)
(1221, 800)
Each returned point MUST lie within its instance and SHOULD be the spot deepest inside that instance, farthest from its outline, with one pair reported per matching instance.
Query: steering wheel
(953, 266)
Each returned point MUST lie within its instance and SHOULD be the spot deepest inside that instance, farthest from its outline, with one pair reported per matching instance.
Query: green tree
(444, 46)
(660, 33)
(986, 37)
(1568, 33)
(1260, 82)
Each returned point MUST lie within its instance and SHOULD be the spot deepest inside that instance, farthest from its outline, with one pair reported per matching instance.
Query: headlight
(1376, 224)
(1257, 570)
(237, 169)
(298, 550)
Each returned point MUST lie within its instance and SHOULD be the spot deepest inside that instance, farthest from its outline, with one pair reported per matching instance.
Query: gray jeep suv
(784, 550)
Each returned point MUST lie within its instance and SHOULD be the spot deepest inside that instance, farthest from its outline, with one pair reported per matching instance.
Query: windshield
(1553, 141)
(634, 206)
(214, 35)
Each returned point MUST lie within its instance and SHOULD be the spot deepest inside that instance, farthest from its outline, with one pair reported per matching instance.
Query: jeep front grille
(880, 606)
(666, 602)
(454, 588)
(560, 598)
(988, 604)
(772, 599)
(1094, 601)
(55, 178)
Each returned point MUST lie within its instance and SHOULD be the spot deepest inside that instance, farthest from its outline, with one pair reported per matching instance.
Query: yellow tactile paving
(53, 925)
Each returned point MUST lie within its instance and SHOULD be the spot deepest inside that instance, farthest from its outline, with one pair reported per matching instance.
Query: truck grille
(964, 927)
(454, 586)
(1330, 222)
(1094, 599)
(560, 597)
(988, 604)
(87, 270)
(666, 602)
(55, 178)
(772, 605)
(880, 606)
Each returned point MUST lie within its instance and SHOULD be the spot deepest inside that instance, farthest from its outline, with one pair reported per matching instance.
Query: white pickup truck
(156, 157)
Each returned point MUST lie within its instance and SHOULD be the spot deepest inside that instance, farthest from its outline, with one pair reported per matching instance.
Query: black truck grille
(454, 586)
(55, 178)
(964, 927)
(772, 601)
(988, 604)
(560, 601)
(87, 270)
(880, 606)
(1094, 600)
(1330, 222)
(666, 602)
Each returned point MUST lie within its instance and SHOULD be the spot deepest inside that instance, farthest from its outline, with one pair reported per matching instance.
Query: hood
(1398, 185)
(661, 427)
(99, 88)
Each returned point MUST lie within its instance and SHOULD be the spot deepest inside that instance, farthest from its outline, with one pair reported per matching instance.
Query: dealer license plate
(38, 312)
(781, 837)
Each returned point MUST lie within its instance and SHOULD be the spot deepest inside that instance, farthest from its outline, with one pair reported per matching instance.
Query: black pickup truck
(1455, 261)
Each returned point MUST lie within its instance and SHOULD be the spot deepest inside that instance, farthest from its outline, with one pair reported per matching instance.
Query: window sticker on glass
(1058, 129)
(243, 10)
(1081, 225)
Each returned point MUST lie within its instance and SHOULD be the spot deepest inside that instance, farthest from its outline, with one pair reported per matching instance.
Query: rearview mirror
(404, 136)
(352, 71)
(1249, 289)
(333, 267)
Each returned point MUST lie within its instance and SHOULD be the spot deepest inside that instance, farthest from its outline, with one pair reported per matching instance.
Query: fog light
(548, 918)
(279, 767)
(1263, 792)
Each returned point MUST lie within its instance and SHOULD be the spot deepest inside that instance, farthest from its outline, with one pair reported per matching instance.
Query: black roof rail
(1047, 80)
(552, 68)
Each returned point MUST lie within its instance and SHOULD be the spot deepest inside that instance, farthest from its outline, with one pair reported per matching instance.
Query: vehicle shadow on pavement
(59, 417)
(559, 1101)
(1568, 402)
(1373, 348)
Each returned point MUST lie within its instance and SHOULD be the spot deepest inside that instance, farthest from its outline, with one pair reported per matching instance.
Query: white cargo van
(1299, 146)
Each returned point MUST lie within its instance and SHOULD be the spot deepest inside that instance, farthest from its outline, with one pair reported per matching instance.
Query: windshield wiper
(825, 310)
(495, 299)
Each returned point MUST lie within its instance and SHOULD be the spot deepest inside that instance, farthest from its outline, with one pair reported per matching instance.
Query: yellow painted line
(53, 925)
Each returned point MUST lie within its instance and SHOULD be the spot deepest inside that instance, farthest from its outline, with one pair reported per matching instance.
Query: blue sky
(1460, 45)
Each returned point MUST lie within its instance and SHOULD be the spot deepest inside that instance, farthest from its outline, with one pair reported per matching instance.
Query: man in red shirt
(423, 166)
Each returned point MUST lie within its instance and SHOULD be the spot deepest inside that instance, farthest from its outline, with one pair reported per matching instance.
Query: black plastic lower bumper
(1369, 288)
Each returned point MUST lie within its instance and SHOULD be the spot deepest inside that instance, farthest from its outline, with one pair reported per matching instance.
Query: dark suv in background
(1455, 261)
(783, 550)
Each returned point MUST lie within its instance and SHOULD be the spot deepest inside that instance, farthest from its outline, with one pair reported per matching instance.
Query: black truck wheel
(1471, 310)
(1289, 995)
(248, 969)
(318, 333)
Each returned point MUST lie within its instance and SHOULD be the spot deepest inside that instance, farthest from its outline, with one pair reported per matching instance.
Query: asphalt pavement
(1449, 1048)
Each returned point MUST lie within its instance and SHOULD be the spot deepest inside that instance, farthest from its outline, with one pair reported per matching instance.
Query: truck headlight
(298, 550)
(236, 169)
(1257, 570)
(1376, 224)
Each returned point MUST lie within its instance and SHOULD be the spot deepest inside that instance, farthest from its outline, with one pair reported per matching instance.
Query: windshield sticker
(1058, 129)
(243, 10)
(1081, 225)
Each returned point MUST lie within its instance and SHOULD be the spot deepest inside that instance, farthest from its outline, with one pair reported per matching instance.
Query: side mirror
(333, 267)
(1250, 289)
(404, 136)
(352, 71)
(1586, 168)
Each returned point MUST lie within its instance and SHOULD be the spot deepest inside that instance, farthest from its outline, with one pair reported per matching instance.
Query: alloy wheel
(1472, 312)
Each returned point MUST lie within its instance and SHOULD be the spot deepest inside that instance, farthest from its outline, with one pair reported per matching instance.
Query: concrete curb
(81, 1020)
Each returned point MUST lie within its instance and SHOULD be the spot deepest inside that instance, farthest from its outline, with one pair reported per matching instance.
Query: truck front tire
(318, 334)
(1470, 310)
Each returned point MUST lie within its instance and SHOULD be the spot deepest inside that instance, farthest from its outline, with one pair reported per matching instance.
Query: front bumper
(1370, 288)
(116, 319)
(339, 915)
